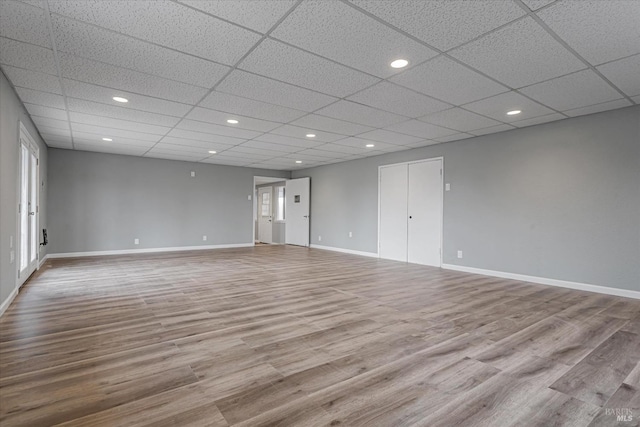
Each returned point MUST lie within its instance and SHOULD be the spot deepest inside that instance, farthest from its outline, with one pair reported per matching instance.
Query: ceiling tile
(624, 73)
(106, 46)
(492, 129)
(443, 23)
(52, 143)
(572, 91)
(259, 15)
(361, 114)
(51, 123)
(519, 54)
(605, 106)
(200, 145)
(423, 143)
(77, 68)
(252, 153)
(53, 131)
(459, 119)
(205, 137)
(195, 126)
(305, 157)
(454, 137)
(285, 63)
(270, 146)
(420, 129)
(115, 134)
(166, 155)
(33, 79)
(263, 89)
(449, 81)
(286, 140)
(397, 99)
(165, 23)
(362, 143)
(599, 31)
(102, 148)
(220, 118)
(107, 122)
(249, 107)
(538, 120)
(21, 21)
(329, 155)
(178, 148)
(496, 107)
(41, 98)
(327, 124)
(52, 113)
(388, 137)
(80, 137)
(537, 4)
(301, 132)
(24, 55)
(343, 149)
(104, 95)
(215, 160)
(339, 32)
(120, 112)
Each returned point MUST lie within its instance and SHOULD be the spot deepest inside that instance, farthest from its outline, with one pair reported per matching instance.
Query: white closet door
(425, 212)
(393, 212)
(297, 196)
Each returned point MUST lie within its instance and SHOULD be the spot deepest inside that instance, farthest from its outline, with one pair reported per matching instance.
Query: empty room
(320, 213)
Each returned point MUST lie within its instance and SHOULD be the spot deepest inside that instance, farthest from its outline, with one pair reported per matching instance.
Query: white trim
(5, 305)
(147, 250)
(345, 251)
(546, 281)
(43, 260)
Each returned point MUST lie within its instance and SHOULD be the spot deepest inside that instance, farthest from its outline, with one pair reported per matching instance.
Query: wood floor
(278, 335)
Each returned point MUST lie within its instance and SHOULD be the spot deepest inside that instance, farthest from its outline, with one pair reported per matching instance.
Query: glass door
(28, 208)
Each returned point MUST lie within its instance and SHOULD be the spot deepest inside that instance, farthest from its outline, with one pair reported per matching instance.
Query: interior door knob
(410, 217)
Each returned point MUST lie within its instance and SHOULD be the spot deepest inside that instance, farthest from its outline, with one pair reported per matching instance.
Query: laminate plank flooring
(281, 335)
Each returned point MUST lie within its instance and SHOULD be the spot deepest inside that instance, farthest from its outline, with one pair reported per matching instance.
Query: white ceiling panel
(454, 137)
(289, 64)
(443, 23)
(165, 23)
(111, 149)
(305, 157)
(361, 114)
(300, 132)
(40, 98)
(605, 106)
(98, 73)
(267, 90)
(33, 79)
(181, 149)
(362, 143)
(112, 48)
(204, 137)
(420, 129)
(21, 21)
(423, 143)
(46, 122)
(42, 111)
(449, 81)
(538, 120)
(220, 118)
(104, 95)
(397, 99)
(573, 91)
(106, 132)
(624, 73)
(96, 139)
(286, 140)
(24, 55)
(388, 137)
(249, 107)
(252, 153)
(172, 156)
(120, 112)
(492, 129)
(195, 126)
(520, 54)
(327, 124)
(339, 32)
(497, 107)
(55, 143)
(537, 4)
(195, 145)
(328, 155)
(55, 131)
(599, 31)
(459, 119)
(215, 160)
(259, 15)
(90, 119)
(343, 149)
(270, 146)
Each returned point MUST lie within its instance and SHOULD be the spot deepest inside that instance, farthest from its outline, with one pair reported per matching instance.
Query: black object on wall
(45, 241)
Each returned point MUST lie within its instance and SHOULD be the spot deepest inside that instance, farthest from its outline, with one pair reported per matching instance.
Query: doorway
(28, 206)
(269, 214)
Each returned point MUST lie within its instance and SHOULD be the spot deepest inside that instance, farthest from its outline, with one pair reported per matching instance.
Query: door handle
(306, 216)
(410, 217)
(32, 213)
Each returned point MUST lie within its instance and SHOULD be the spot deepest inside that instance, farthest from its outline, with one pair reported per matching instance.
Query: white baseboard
(43, 260)
(345, 251)
(8, 301)
(148, 250)
(545, 281)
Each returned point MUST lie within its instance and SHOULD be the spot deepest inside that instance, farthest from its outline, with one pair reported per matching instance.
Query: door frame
(254, 203)
(259, 214)
(441, 158)
(23, 133)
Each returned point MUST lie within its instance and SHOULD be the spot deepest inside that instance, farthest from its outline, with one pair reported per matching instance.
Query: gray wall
(104, 201)
(277, 228)
(11, 113)
(559, 200)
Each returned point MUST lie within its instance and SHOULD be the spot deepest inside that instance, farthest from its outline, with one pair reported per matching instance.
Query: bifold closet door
(393, 212)
(425, 212)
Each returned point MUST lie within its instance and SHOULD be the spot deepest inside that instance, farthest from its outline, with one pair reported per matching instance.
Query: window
(266, 205)
(280, 203)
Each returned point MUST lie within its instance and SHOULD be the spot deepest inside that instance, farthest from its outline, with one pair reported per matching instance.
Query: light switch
(193, 173)
(447, 187)
(136, 241)
(249, 197)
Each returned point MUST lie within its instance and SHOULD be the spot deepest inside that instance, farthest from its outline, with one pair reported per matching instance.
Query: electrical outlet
(459, 254)
(204, 238)
(319, 238)
(249, 197)
(12, 257)
(193, 173)
(351, 234)
(447, 187)
(136, 241)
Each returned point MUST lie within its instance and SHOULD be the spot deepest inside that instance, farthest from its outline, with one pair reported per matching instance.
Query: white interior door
(297, 197)
(425, 212)
(28, 242)
(393, 212)
(265, 215)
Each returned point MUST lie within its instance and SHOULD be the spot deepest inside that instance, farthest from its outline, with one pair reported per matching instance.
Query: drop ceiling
(285, 69)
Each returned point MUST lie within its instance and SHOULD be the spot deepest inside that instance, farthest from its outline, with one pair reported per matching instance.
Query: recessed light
(513, 112)
(311, 135)
(212, 152)
(107, 139)
(232, 121)
(369, 145)
(298, 161)
(120, 99)
(399, 63)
